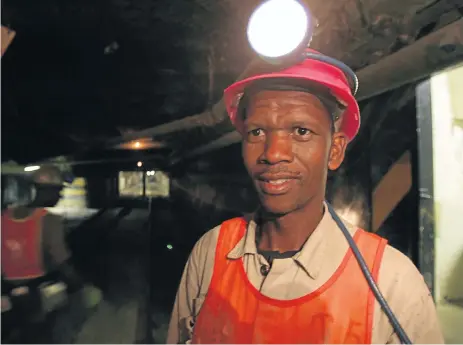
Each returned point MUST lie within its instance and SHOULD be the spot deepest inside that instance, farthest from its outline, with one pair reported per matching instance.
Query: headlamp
(280, 28)
(280, 31)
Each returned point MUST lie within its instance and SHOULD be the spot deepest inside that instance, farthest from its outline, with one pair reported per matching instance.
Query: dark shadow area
(109, 251)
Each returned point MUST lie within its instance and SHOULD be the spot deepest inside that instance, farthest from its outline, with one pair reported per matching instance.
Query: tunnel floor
(112, 253)
(120, 269)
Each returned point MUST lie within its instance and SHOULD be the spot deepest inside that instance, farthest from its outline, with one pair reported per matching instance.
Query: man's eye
(256, 132)
(302, 131)
(255, 135)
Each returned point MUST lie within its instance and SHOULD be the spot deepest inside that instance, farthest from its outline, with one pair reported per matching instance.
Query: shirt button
(264, 270)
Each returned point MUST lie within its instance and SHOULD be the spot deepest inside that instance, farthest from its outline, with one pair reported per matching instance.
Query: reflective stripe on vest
(340, 311)
(22, 246)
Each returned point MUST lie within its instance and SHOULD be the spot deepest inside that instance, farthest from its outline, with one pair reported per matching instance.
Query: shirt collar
(247, 244)
(312, 254)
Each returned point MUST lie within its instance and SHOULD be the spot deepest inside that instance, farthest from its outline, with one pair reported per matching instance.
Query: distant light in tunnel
(111, 48)
(139, 164)
(140, 144)
(32, 168)
(169, 246)
(150, 173)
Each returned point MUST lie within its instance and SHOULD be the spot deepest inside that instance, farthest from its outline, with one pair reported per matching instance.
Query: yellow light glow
(140, 144)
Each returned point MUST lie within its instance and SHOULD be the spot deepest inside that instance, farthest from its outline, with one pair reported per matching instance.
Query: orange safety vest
(340, 311)
(22, 246)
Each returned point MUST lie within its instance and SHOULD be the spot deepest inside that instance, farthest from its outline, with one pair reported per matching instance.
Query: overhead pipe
(436, 51)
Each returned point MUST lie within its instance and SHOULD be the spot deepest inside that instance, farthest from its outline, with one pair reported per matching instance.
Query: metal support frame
(426, 257)
(414, 235)
(370, 188)
(144, 325)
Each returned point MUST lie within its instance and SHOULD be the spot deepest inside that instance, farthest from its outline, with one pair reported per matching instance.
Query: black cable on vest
(373, 286)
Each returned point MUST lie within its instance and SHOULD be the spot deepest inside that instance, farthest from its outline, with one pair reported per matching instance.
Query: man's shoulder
(395, 265)
(394, 262)
(409, 297)
(398, 271)
(209, 239)
(398, 261)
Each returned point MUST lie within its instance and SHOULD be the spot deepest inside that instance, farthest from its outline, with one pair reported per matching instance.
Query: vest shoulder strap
(371, 238)
(372, 247)
(231, 231)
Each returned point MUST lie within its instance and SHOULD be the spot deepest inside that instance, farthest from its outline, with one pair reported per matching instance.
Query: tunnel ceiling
(82, 72)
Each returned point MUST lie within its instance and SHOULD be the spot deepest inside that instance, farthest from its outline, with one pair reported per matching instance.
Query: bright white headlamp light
(279, 28)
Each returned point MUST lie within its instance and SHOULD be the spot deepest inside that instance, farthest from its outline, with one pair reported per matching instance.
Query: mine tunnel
(125, 100)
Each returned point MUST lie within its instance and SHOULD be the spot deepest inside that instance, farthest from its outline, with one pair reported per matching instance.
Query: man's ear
(337, 150)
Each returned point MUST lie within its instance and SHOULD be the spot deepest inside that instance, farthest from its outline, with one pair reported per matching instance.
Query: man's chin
(277, 207)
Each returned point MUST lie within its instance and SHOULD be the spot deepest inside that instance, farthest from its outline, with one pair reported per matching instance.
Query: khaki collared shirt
(399, 281)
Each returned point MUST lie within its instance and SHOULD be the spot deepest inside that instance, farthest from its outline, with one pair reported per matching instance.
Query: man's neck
(290, 232)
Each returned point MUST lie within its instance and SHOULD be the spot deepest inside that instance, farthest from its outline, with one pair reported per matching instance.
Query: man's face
(288, 147)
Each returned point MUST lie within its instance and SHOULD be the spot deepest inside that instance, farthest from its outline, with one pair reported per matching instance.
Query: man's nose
(278, 148)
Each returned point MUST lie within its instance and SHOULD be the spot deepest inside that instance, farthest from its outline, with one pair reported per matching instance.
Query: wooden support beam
(7, 37)
(392, 188)
(417, 61)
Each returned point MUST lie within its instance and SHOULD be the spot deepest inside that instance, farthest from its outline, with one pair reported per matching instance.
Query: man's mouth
(277, 182)
(275, 185)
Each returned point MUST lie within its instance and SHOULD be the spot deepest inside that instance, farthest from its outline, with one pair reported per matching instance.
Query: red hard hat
(311, 70)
